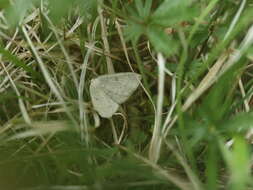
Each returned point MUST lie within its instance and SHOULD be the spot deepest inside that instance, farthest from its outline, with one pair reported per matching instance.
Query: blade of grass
(155, 143)
(47, 76)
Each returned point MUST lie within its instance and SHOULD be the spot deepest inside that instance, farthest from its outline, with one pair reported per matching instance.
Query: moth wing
(102, 103)
(119, 87)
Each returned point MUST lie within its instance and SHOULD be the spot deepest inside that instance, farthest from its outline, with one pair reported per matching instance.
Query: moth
(108, 91)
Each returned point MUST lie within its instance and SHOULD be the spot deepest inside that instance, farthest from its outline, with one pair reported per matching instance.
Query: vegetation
(186, 127)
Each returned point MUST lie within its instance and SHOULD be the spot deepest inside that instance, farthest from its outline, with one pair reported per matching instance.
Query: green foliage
(87, 9)
(17, 11)
(153, 25)
(161, 41)
(238, 160)
(171, 13)
(241, 122)
(10, 57)
(4, 4)
(58, 9)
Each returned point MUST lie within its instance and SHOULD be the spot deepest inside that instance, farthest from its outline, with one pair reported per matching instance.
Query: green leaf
(240, 164)
(238, 160)
(17, 11)
(4, 4)
(216, 105)
(172, 12)
(212, 166)
(240, 122)
(59, 9)
(143, 9)
(147, 8)
(16, 61)
(133, 31)
(139, 7)
(250, 53)
(161, 41)
(88, 9)
(194, 69)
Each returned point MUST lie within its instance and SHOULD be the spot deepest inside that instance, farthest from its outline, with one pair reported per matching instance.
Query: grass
(187, 126)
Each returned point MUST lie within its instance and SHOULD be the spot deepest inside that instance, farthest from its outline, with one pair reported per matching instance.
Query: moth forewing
(120, 87)
(107, 91)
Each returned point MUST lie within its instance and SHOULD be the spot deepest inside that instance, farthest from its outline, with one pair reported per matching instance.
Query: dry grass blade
(155, 144)
(105, 40)
(47, 75)
(207, 81)
(41, 128)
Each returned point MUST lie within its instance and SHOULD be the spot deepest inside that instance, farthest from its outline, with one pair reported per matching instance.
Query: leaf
(133, 31)
(139, 7)
(147, 8)
(238, 160)
(172, 12)
(88, 9)
(216, 104)
(143, 9)
(4, 4)
(195, 69)
(58, 9)
(240, 164)
(240, 122)
(15, 60)
(17, 11)
(161, 41)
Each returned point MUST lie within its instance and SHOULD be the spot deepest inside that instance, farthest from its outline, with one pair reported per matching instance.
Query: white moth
(108, 91)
